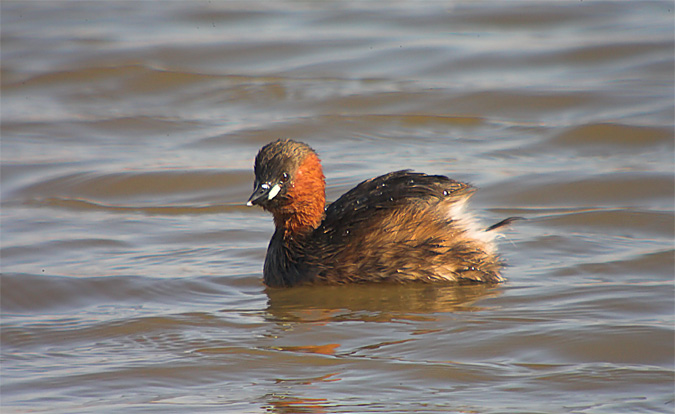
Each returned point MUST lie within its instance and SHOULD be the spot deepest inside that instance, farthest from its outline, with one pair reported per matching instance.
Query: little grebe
(399, 227)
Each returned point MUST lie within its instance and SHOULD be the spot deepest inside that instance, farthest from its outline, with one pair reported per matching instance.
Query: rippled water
(131, 269)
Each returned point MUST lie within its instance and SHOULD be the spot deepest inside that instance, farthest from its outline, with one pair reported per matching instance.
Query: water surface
(131, 268)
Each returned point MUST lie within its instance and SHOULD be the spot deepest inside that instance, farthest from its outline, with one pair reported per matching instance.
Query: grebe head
(289, 183)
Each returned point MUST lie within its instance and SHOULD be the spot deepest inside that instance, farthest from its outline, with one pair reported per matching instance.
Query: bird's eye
(284, 177)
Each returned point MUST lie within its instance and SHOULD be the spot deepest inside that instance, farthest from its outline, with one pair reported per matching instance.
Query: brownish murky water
(131, 269)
